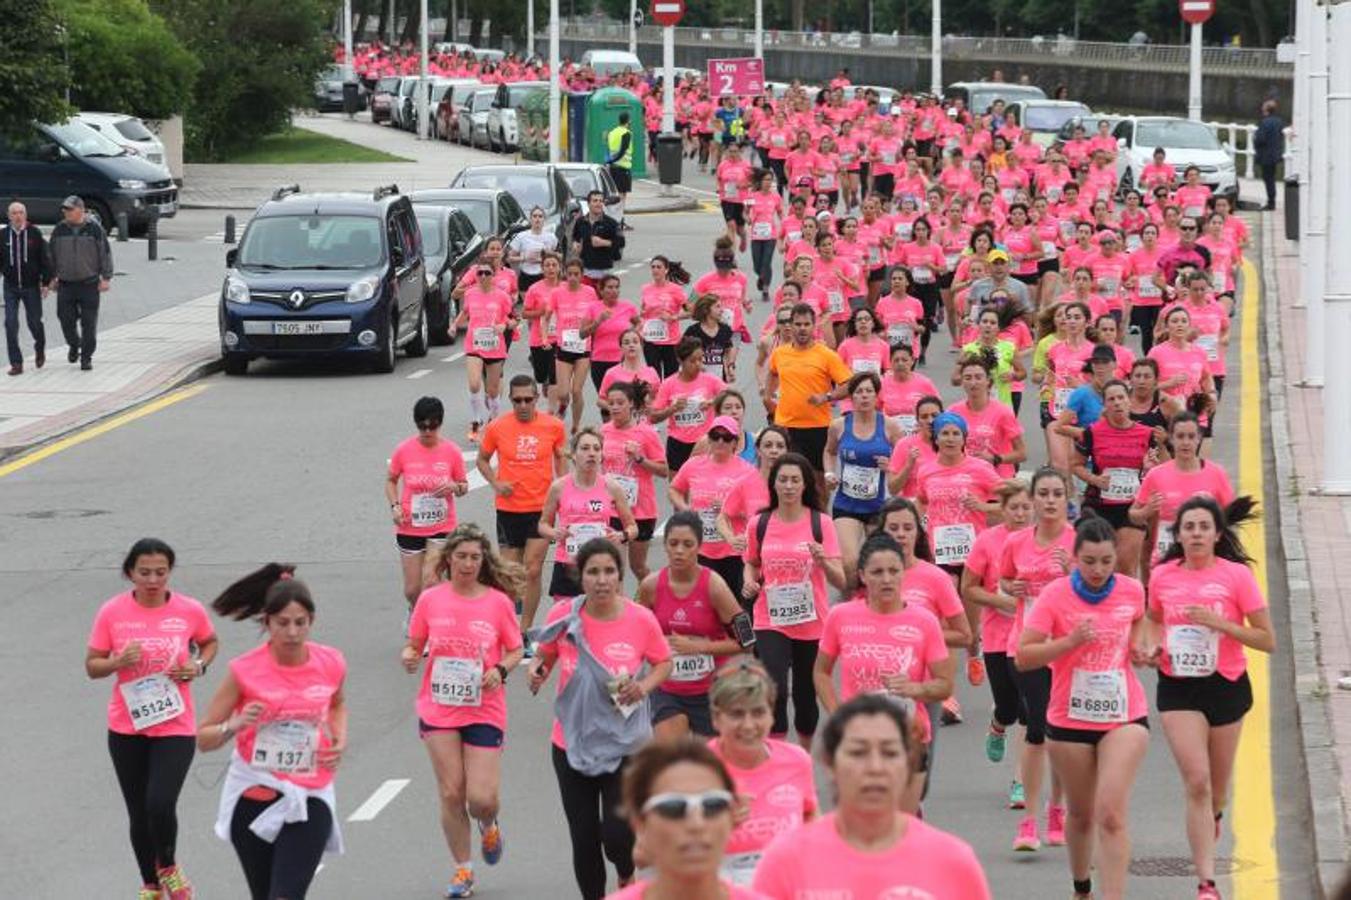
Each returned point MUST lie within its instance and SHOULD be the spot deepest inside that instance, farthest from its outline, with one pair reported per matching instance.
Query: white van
(608, 63)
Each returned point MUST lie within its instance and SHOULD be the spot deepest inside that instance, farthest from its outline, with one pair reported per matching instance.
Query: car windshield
(982, 99)
(480, 212)
(433, 238)
(312, 242)
(133, 130)
(1180, 135)
(516, 95)
(387, 85)
(483, 101)
(529, 190)
(581, 182)
(1051, 118)
(82, 140)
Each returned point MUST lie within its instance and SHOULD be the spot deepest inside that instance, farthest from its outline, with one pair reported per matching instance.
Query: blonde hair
(582, 432)
(496, 572)
(741, 681)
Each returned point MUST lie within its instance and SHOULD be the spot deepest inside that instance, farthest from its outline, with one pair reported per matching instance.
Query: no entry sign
(667, 12)
(736, 77)
(1194, 12)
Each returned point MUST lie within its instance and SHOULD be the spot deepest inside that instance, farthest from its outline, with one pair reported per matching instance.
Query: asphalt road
(286, 464)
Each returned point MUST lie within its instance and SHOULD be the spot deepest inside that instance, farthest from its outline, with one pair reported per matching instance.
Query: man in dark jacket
(26, 267)
(597, 240)
(1269, 146)
(82, 263)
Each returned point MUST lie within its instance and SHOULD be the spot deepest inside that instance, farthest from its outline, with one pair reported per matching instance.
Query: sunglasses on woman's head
(674, 807)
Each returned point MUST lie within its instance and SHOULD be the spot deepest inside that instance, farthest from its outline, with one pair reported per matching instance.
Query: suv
(326, 274)
(978, 96)
(504, 133)
(1185, 143)
(382, 98)
(127, 132)
(1046, 118)
(473, 119)
(539, 185)
(452, 245)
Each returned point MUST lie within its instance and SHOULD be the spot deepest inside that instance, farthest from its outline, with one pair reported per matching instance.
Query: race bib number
(456, 681)
(690, 414)
(1193, 650)
(426, 510)
(1062, 399)
(1211, 344)
(834, 302)
(922, 274)
(1132, 243)
(899, 334)
(730, 188)
(1048, 249)
(874, 255)
(287, 745)
(866, 365)
(708, 519)
(629, 484)
(1067, 229)
(1109, 286)
(778, 140)
(739, 868)
(904, 230)
(908, 423)
(691, 666)
(572, 341)
(762, 231)
(952, 259)
(579, 534)
(1163, 540)
(1098, 696)
(1147, 288)
(725, 315)
(151, 700)
(846, 158)
(655, 330)
(1008, 194)
(790, 604)
(859, 482)
(952, 543)
(1053, 194)
(1122, 484)
(485, 338)
(1191, 211)
(888, 159)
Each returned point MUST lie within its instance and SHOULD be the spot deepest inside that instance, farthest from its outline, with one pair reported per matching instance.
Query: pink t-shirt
(163, 633)
(585, 511)
(793, 598)
(605, 339)
(1189, 361)
(1066, 363)
(899, 398)
(992, 430)
(656, 300)
(746, 498)
(763, 209)
(297, 701)
(537, 298)
(618, 374)
(814, 861)
(488, 311)
(730, 177)
(929, 587)
(901, 455)
(472, 634)
(983, 563)
(570, 309)
(941, 488)
(865, 356)
(781, 792)
(1024, 559)
(638, 891)
(1226, 588)
(730, 289)
(871, 646)
(1093, 686)
(422, 471)
(706, 483)
(1209, 320)
(628, 473)
(622, 645)
(690, 422)
(1176, 487)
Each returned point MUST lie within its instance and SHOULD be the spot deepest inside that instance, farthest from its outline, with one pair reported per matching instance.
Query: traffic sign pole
(668, 80)
(555, 95)
(1194, 76)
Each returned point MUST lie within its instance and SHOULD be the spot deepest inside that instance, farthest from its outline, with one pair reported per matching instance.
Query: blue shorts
(479, 734)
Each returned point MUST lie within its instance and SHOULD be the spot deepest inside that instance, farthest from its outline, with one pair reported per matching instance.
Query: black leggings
(1035, 688)
(662, 358)
(1145, 318)
(285, 867)
(598, 370)
(762, 258)
(930, 299)
(1008, 703)
(780, 654)
(595, 824)
(677, 453)
(780, 175)
(733, 572)
(150, 772)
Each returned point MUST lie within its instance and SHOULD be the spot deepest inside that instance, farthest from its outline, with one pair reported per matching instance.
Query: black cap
(1101, 353)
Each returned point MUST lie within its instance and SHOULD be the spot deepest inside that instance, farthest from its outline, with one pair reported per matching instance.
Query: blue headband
(944, 419)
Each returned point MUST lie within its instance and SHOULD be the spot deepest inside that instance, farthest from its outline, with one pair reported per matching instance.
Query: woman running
(714, 336)
(663, 304)
(686, 398)
(155, 642)
(1205, 607)
(955, 492)
(728, 284)
(701, 619)
(926, 263)
(902, 316)
(1063, 371)
(1184, 370)
(1001, 353)
(750, 495)
(536, 309)
(572, 306)
(903, 388)
(1168, 485)
(701, 485)
(870, 847)
(622, 638)
(609, 321)
(764, 208)
(792, 551)
(630, 370)
(527, 248)
(731, 403)
(914, 452)
(285, 703)
(863, 350)
(1088, 628)
(632, 456)
(488, 313)
(993, 431)
(466, 626)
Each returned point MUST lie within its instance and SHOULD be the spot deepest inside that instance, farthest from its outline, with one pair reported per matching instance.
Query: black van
(51, 162)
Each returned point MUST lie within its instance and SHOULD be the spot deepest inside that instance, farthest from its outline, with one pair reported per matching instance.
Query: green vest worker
(619, 142)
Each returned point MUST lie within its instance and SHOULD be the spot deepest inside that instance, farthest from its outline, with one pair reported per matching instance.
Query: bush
(32, 69)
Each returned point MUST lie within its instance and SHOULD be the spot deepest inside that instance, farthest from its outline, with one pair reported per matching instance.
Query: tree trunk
(412, 25)
(799, 12)
(1262, 22)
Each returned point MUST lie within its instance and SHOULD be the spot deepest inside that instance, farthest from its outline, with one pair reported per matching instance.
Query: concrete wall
(1101, 84)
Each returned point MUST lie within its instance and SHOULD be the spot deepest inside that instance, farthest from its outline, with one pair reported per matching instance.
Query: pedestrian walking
(82, 268)
(1269, 144)
(26, 263)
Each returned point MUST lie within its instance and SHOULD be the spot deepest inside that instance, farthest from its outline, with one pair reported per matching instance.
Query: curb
(1311, 691)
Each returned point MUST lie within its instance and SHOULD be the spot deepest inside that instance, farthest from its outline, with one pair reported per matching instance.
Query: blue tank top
(862, 488)
(749, 454)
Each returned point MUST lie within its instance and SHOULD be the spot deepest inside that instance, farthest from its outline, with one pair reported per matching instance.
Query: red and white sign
(736, 77)
(1195, 12)
(667, 12)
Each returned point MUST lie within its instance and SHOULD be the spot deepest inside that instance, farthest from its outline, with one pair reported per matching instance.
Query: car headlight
(1226, 165)
(236, 291)
(131, 184)
(363, 289)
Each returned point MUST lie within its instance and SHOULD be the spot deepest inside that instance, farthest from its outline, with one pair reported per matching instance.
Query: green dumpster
(534, 115)
(602, 115)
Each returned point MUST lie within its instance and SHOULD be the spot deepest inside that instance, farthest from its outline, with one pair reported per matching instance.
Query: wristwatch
(502, 671)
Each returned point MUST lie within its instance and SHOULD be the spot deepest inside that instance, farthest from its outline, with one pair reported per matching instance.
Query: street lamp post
(530, 28)
(1337, 330)
(554, 93)
(1314, 248)
(760, 29)
(1194, 76)
(936, 50)
(424, 86)
(347, 32)
(633, 27)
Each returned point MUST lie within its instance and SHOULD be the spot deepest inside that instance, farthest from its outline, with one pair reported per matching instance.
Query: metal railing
(1247, 60)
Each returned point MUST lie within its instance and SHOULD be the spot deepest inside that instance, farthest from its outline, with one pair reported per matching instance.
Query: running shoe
(1207, 891)
(462, 885)
(1055, 826)
(175, 884)
(1017, 797)
(952, 712)
(149, 892)
(994, 745)
(975, 671)
(1027, 840)
(491, 844)
(472, 435)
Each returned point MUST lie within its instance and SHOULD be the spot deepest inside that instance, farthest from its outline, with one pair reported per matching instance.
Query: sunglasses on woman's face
(675, 807)
(428, 425)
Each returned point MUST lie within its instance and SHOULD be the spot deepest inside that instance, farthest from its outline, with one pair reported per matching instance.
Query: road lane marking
(377, 801)
(454, 356)
(420, 373)
(100, 428)
(1254, 811)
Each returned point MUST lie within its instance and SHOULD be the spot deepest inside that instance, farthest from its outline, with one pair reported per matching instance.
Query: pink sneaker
(1055, 826)
(1207, 891)
(175, 884)
(1027, 839)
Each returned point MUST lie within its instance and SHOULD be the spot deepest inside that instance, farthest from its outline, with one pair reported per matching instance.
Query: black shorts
(884, 184)
(565, 356)
(564, 580)
(954, 569)
(1221, 701)
(412, 543)
(524, 281)
(1030, 279)
(734, 212)
(811, 443)
(646, 528)
(878, 275)
(865, 518)
(694, 707)
(1046, 418)
(1090, 736)
(478, 734)
(623, 178)
(498, 360)
(515, 528)
(1115, 514)
(945, 280)
(542, 364)
(1048, 265)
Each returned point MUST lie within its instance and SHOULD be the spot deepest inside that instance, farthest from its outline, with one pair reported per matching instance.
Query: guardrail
(1063, 49)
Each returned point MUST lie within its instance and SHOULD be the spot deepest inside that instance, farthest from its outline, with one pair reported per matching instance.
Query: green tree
(32, 69)
(124, 58)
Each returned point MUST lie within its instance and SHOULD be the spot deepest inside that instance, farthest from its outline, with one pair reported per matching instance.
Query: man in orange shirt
(807, 376)
(529, 446)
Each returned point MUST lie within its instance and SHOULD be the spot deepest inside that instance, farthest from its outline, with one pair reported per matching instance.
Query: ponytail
(262, 593)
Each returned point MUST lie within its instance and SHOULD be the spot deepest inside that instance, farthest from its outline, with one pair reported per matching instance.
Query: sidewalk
(1316, 542)
(434, 164)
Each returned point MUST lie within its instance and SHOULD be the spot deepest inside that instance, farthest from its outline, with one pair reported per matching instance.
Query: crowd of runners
(832, 542)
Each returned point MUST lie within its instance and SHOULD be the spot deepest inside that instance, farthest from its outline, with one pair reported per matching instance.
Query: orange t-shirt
(525, 453)
(802, 373)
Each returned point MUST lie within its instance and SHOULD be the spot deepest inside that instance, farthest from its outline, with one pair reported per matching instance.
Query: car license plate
(168, 209)
(297, 327)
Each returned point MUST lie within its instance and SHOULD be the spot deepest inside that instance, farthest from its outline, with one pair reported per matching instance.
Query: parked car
(885, 96)
(607, 63)
(326, 274)
(486, 54)
(492, 212)
(1045, 118)
(473, 124)
(1184, 142)
(328, 89)
(1089, 123)
(979, 95)
(450, 244)
(583, 178)
(448, 110)
(47, 163)
(504, 131)
(128, 132)
(429, 85)
(382, 98)
(453, 47)
(538, 184)
(401, 105)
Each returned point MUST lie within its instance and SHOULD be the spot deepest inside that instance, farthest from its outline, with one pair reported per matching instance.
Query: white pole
(633, 27)
(424, 86)
(1315, 246)
(390, 32)
(936, 50)
(555, 128)
(347, 33)
(1337, 395)
(667, 79)
(1299, 112)
(529, 28)
(759, 29)
(454, 20)
(1194, 77)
